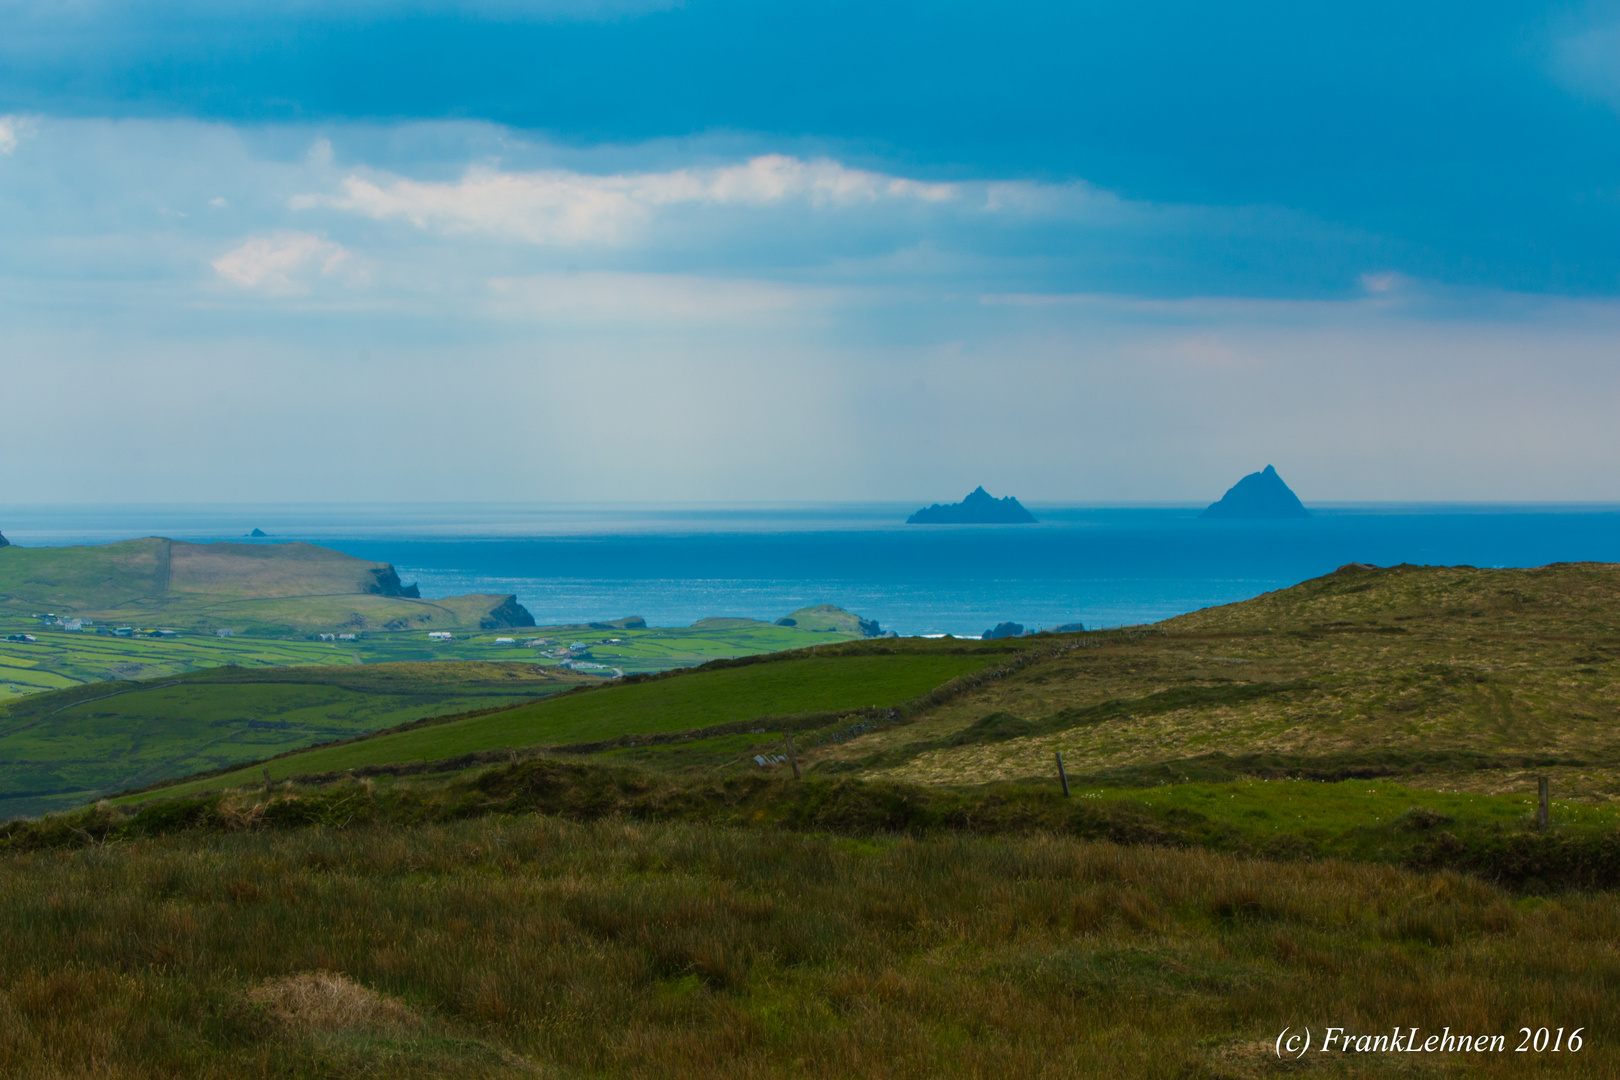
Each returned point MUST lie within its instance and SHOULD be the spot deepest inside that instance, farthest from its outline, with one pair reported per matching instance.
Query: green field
(780, 687)
(62, 749)
(1314, 808)
(60, 658)
(1309, 721)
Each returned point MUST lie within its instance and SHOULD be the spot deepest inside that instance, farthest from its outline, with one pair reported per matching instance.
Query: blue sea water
(673, 565)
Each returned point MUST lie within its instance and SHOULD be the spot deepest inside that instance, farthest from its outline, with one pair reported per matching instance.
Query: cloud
(564, 208)
(276, 263)
(12, 130)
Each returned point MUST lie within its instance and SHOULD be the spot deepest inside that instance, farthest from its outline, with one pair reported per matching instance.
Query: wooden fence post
(1543, 803)
(793, 758)
(1063, 776)
(267, 781)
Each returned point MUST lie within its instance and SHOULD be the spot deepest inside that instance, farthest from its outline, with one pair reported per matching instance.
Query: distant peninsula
(1257, 496)
(3, 541)
(263, 590)
(979, 508)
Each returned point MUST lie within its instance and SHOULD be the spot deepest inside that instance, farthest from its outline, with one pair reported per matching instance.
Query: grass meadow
(67, 748)
(1305, 812)
(783, 686)
(528, 945)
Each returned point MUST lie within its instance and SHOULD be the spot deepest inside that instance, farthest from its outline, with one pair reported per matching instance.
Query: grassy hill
(925, 901)
(1364, 714)
(783, 687)
(1449, 677)
(62, 749)
(267, 589)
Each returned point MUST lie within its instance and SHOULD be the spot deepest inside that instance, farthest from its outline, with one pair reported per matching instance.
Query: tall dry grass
(531, 946)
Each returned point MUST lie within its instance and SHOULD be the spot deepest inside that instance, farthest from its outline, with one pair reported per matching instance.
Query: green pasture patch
(67, 748)
(62, 658)
(1358, 819)
(800, 684)
(636, 650)
(59, 658)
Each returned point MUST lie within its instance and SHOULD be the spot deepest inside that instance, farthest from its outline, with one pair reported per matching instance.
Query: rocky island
(1257, 496)
(979, 508)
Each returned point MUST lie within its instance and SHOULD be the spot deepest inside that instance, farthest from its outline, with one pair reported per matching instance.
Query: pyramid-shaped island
(1257, 496)
(979, 508)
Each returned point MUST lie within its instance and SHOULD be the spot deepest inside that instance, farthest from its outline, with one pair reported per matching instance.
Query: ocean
(1101, 566)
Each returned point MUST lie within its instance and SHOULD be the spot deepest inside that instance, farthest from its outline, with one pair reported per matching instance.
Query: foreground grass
(1492, 838)
(531, 946)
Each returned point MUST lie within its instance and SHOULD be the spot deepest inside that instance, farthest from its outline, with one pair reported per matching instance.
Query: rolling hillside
(59, 750)
(1372, 714)
(635, 893)
(266, 589)
(782, 687)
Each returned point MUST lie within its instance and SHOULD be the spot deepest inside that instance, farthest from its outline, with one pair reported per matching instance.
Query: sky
(643, 250)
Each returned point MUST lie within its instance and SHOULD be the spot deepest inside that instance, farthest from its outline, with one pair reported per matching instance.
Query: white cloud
(558, 207)
(12, 130)
(277, 263)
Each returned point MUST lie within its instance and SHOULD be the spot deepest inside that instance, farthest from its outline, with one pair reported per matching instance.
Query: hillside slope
(252, 588)
(68, 747)
(1460, 677)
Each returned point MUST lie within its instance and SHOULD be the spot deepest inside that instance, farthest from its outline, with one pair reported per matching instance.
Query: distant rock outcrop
(258, 532)
(979, 508)
(3, 541)
(1004, 630)
(506, 614)
(388, 584)
(1258, 495)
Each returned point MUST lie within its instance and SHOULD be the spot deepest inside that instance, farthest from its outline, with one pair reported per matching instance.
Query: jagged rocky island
(979, 508)
(1257, 496)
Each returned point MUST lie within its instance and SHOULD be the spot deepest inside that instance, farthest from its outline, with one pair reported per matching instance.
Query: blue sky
(745, 251)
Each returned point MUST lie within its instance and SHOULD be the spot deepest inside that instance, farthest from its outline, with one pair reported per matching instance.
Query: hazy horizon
(718, 251)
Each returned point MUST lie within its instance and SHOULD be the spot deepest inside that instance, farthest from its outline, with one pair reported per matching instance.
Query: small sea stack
(3, 541)
(1258, 496)
(979, 508)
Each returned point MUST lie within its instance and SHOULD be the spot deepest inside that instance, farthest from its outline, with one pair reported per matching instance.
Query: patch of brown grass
(1405, 659)
(327, 1001)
